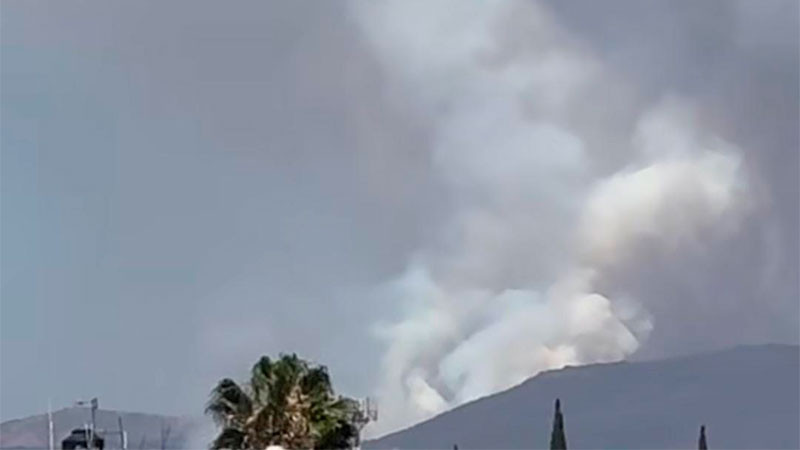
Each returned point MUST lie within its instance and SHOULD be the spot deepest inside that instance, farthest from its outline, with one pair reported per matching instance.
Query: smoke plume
(559, 175)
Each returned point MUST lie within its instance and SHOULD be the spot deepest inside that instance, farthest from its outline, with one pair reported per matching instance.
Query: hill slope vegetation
(747, 397)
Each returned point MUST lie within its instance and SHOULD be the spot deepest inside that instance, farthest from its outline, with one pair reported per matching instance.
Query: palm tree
(287, 402)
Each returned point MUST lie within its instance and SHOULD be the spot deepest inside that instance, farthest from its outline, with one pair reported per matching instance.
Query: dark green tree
(558, 440)
(701, 443)
(287, 402)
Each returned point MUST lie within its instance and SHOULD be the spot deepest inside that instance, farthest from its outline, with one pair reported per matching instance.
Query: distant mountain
(747, 397)
(144, 430)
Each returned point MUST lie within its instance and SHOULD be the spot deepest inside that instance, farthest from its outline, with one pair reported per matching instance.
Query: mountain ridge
(623, 404)
(143, 429)
(680, 378)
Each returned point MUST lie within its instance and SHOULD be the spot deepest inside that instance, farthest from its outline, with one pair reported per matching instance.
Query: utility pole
(367, 412)
(93, 403)
(123, 440)
(165, 430)
(50, 440)
(94, 423)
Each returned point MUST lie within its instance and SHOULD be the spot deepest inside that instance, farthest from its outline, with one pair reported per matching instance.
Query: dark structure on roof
(79, 438)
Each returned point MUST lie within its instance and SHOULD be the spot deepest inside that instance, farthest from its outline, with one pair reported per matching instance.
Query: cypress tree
(701, 444)
(558, 440)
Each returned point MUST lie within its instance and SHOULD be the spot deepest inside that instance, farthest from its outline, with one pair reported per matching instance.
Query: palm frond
(316, 382)
(229, 403)
(261, 379)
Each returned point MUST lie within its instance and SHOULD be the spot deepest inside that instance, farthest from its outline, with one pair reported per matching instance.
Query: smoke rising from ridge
(512, 287)
(476, 163)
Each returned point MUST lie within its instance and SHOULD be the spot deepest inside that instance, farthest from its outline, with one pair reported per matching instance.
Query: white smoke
(689, 184)
(511, 288)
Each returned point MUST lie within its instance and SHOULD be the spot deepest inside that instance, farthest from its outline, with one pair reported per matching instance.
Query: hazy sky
(396, 190)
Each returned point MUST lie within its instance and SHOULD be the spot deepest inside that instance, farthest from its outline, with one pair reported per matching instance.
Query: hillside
(144, 430)
(748, 398)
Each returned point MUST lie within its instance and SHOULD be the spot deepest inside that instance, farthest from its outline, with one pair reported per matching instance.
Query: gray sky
(186, 186)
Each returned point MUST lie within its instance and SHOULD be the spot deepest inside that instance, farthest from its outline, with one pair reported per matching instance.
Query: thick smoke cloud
(522, 277)
(496, 188)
